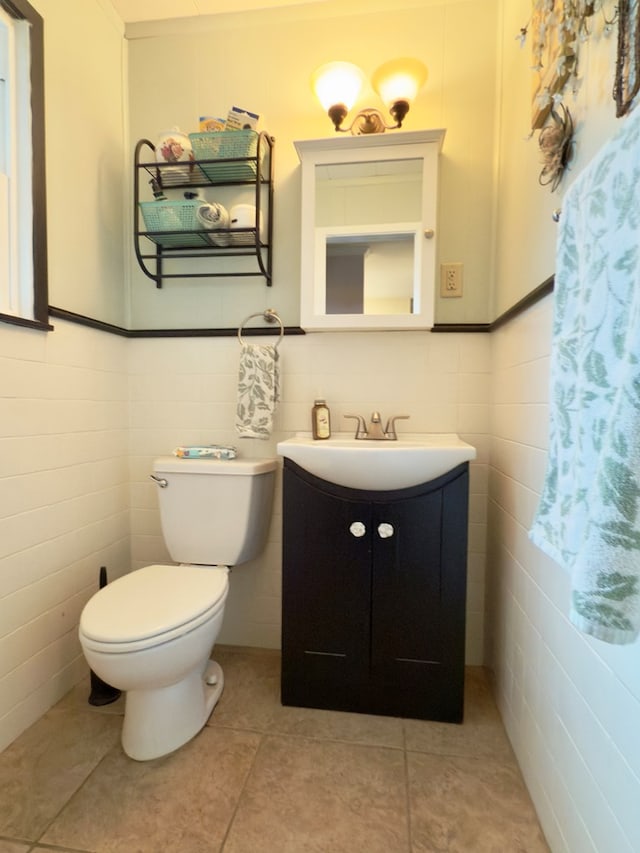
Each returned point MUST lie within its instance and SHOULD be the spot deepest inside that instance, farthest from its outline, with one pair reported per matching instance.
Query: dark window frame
(22, 10)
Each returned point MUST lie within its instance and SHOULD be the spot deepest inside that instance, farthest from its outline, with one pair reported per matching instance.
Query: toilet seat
(151, 606)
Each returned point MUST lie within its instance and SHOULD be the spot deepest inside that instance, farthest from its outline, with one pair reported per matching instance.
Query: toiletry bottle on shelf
(321, 419)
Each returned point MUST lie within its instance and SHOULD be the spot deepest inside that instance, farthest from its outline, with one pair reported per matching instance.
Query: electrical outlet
(450, 280)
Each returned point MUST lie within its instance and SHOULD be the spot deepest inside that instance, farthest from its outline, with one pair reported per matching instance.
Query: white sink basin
(379, 465)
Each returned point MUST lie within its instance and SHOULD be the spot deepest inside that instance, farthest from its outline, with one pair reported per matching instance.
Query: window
(23, 239)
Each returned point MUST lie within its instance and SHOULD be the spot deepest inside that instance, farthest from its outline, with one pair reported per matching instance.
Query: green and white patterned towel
(258, 390)
(588, 518)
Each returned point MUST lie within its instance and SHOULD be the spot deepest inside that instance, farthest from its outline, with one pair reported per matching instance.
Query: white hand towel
(588, 519)
(258, 390)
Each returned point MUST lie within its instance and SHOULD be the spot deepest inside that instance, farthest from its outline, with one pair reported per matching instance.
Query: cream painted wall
(570, 703)
(85, 113)
(263, 61)
(525, 230)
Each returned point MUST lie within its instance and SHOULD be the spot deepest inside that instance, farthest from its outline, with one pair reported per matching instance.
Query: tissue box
(238, 119)
(208, 123)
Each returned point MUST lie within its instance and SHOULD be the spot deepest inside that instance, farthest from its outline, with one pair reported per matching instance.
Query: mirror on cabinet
(368, 240)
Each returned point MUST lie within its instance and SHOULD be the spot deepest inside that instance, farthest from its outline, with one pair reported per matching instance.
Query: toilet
(151, 632)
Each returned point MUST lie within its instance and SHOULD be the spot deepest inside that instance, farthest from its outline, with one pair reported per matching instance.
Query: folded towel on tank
(207, 451)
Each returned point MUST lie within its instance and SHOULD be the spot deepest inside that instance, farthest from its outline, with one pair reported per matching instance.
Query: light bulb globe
(337, 83)
(399, 80)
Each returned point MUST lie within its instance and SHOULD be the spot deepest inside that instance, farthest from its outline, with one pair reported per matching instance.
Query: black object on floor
(101, 692)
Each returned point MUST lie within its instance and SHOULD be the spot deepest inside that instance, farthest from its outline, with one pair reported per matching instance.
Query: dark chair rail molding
(520, 307)
(526, 302)
(63, 314)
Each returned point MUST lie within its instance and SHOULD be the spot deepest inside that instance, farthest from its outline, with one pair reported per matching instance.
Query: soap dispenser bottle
(321, 420)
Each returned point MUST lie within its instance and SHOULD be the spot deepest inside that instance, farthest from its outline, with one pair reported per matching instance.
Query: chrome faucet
(374, 431)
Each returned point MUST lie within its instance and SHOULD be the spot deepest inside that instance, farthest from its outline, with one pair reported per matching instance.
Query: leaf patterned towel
(588, 518)
(258, 390)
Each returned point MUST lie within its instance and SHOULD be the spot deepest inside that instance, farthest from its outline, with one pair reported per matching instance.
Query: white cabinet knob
(385, 531)
(358, 529)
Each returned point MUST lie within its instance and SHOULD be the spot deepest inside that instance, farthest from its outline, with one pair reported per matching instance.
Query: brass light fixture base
(368, 120)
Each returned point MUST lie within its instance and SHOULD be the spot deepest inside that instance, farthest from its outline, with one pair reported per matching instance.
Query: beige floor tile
(481, 733)
(261, 778)
(461, 805)
(310, 796)
(13, 847)
(182, 802)
(251, 700)
(42, 768)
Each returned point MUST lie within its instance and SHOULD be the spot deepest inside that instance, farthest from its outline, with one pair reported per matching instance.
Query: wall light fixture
(338, 84)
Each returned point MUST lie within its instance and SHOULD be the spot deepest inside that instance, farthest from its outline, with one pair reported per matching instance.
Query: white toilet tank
(215, 512)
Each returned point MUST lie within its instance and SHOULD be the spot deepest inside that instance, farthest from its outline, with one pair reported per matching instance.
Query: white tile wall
(63, 504)
(570, 703)
(184, 391)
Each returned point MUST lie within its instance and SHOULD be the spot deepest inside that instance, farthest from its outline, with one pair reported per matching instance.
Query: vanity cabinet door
(406, 619)
(418, 603)
(326, 594)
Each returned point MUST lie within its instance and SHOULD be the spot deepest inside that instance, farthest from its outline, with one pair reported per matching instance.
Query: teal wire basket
(226, 145)
(174, 216)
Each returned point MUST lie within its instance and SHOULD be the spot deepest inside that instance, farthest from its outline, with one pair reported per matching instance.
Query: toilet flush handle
(160, 481)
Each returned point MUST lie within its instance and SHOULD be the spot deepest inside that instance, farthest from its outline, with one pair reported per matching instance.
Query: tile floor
(261, 778)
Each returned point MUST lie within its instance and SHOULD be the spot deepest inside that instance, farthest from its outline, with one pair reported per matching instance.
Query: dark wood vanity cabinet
(374, 588)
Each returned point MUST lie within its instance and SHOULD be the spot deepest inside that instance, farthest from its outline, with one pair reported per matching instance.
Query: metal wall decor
(556, 29)
(554, 33)
(556, 146)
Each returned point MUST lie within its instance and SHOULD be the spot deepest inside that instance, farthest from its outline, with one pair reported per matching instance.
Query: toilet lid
(156, 600)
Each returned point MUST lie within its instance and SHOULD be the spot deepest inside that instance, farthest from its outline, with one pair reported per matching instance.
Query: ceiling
(132, 11)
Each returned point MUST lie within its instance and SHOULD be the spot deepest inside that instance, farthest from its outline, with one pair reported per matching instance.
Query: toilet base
(157, 722)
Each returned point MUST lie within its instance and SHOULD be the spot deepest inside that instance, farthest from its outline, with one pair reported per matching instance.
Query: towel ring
(269, 316)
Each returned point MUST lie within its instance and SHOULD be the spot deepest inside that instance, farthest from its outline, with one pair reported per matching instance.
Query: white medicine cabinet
(369, 230)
